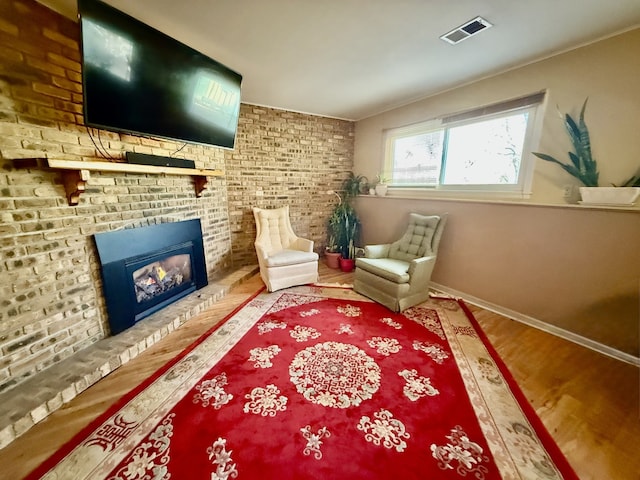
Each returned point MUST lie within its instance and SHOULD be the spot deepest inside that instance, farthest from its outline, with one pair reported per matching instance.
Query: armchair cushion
(290, 257)
(389, 268)
(273, 229)
(417, 241)
(377, 251)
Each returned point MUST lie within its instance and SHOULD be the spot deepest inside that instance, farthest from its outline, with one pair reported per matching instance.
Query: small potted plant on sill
(584, 167)
(381, 185)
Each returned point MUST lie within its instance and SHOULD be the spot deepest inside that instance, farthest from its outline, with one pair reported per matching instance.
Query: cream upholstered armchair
(285, 259)
(397, 274)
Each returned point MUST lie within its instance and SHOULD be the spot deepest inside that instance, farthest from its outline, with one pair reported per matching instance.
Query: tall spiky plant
(343, 227)
(583, 166)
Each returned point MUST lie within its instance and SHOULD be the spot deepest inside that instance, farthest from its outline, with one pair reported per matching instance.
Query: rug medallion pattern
(319, 383)
(335, 374)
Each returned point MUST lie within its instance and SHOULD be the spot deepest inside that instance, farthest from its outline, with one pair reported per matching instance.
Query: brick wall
(50, 291)
(285, 158)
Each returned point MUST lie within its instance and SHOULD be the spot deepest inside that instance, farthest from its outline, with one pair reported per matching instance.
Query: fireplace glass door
(159, 279)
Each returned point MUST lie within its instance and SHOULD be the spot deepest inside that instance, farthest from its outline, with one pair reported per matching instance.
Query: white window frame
(521, 189)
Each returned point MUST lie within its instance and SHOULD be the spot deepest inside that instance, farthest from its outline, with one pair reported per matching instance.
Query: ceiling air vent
(465, 31)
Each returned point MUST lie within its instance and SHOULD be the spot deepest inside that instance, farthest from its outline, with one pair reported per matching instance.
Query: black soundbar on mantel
(158, 160)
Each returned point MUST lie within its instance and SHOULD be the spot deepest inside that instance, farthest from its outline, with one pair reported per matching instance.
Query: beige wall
(572, 267)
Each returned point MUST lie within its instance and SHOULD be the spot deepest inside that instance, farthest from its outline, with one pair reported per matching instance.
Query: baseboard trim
(540, 325)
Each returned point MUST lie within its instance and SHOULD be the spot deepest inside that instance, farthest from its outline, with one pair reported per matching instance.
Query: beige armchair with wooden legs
(285, 259)
(397, 274)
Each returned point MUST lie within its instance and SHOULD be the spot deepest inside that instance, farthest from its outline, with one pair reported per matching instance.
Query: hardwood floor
(588, 402)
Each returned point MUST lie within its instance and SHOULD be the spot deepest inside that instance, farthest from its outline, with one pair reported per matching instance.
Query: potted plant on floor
(347, 228)
(344, 225)
(584, 167)
(332, 254)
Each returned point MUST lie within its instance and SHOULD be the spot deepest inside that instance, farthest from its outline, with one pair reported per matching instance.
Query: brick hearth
(31, 401)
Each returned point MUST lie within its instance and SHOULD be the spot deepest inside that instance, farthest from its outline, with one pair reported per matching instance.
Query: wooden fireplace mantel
(75, 173)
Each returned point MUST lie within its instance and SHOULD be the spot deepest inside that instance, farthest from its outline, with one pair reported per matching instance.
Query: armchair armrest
(303, 245)
(420, 270)
(377, 251)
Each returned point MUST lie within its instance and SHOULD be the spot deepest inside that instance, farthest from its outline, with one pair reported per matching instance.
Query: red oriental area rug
(321, 383)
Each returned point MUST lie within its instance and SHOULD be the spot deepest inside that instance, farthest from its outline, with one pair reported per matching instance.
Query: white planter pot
(609, 195)
(381, 189)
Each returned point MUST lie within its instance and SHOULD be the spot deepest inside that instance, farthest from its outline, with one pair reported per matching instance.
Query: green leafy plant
(381, 179)
(354, 185)
(343, 227)
(332, 242)
(583, 166)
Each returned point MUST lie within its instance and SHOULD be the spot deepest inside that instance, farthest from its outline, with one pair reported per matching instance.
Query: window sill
(471, 193)
(501, 201)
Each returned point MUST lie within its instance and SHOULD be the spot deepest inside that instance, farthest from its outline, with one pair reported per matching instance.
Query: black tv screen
(139, 80)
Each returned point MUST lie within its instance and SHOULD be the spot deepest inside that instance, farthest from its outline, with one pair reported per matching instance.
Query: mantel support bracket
(74, 184)
(200, 184)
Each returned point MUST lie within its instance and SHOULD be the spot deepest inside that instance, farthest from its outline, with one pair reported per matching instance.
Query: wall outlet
(567, 191)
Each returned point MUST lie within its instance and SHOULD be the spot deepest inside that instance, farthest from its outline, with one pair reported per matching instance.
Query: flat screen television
(138, 80)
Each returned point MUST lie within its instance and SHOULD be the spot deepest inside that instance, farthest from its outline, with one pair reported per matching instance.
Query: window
(484, 150)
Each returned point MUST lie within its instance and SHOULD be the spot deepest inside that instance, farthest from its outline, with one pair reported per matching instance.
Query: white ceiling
(354, 58)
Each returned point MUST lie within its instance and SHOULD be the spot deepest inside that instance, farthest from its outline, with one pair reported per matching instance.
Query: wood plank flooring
(588, 402)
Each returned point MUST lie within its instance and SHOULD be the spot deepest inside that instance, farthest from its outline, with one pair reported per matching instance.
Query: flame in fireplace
(161, 273)
(161, 276)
